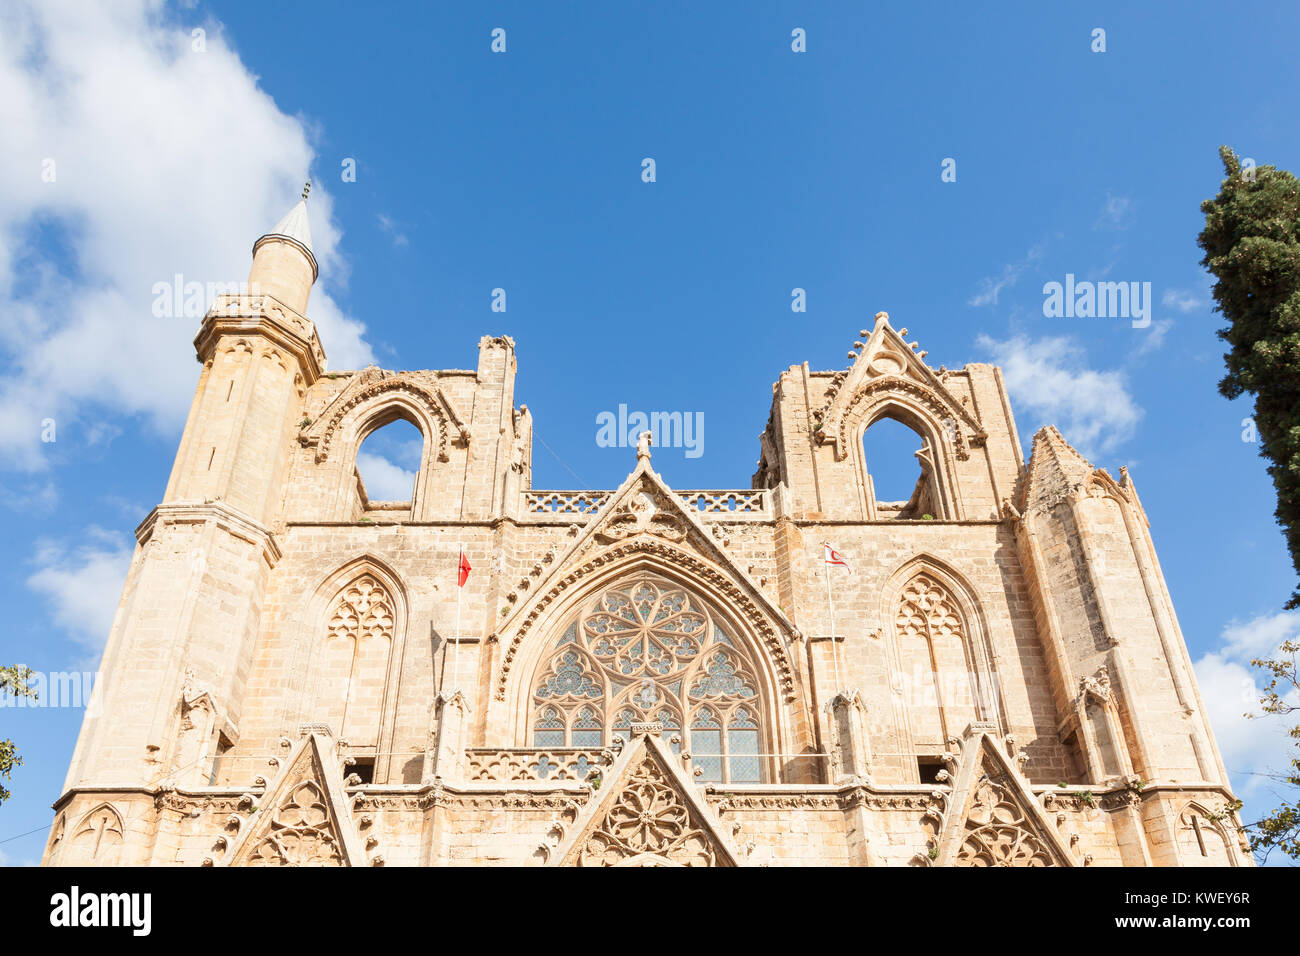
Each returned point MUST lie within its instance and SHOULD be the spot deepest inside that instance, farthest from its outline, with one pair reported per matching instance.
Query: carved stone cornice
(229, 519)
(267, 317)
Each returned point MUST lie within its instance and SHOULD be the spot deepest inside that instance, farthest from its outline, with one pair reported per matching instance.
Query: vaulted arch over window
(386, 473)
(646, 651)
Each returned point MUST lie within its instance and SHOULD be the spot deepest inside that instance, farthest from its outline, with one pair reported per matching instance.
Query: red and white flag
(462, 573)
(833, 557)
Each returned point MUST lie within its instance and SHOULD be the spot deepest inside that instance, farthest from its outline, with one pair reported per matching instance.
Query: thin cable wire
(585, 486)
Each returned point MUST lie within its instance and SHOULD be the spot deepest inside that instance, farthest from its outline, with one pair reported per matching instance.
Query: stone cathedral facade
(642, 676)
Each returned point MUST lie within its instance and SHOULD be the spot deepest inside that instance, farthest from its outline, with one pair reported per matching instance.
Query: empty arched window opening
(387, 463)
(900, 471)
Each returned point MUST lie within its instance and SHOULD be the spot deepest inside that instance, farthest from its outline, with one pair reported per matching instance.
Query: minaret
(175, 665)
(260, 352)
(284, 266)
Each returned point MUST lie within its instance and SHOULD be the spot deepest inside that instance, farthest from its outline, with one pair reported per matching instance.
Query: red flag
(463, 572)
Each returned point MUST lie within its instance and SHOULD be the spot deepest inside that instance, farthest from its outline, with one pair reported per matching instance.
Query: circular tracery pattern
(648, 652)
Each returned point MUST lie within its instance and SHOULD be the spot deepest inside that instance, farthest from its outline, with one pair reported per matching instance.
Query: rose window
(649, 652)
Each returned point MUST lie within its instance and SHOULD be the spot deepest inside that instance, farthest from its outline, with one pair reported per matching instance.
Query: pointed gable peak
(991, 817)
(302, 819)
(643, 519)
(885, 364)
(647, 812)
(1055, 468)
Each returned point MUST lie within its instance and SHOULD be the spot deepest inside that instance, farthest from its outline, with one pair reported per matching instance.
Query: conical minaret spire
(284, 265)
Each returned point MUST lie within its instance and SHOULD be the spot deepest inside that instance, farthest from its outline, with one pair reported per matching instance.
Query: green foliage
(1252, 246)
(1085, 796)
(15, 681)
(1280, 829)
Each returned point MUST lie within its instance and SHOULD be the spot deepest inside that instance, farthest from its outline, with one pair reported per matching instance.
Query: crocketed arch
(355, 629)
(338, 435)
(932, 422)
(379, 403)
(647, 650)
(553, 630)
(940, 653)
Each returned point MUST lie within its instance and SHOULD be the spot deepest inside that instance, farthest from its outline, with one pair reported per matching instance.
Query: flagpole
(460, 557)
(830, 607)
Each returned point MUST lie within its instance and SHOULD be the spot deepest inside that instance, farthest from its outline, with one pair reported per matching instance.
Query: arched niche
(940, 656)
(350, 644)
(783, 732)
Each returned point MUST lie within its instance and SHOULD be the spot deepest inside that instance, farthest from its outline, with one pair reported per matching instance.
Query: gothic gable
(645, 814)
(645, 518)
(302, 819)
(992, 818)
(888, 370)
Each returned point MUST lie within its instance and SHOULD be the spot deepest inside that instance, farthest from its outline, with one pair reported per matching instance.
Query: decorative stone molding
(267, 317)
(697, 568)
(647, 813)
(991, 817)
(321, 434)
(838, 417)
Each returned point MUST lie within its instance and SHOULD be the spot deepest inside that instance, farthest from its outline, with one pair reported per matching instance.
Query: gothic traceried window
(649, 652)
(946, 687)
(355, 660)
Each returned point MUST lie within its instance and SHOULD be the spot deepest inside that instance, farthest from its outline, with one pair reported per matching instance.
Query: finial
(643, 442)
(306, 188)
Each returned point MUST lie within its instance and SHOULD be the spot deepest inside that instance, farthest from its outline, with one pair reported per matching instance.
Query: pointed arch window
(949, 685)
(901, 470)
(647, 651)
(355, 661)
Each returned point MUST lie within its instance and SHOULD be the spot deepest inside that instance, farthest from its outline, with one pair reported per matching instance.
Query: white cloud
(165, 161)
(1116, 213)
(384, 480)
(1230, 689)
(1049, 378)
(387, 224)
(83, 584)
(9, 860)
(1184, 300)
(991, 287)
(1154, 337)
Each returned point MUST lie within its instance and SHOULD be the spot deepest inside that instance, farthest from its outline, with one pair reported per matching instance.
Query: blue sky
(522, 171)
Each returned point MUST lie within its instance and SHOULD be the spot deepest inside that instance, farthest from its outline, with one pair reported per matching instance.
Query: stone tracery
(997, 833)
(648, 822)
(647, 652)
